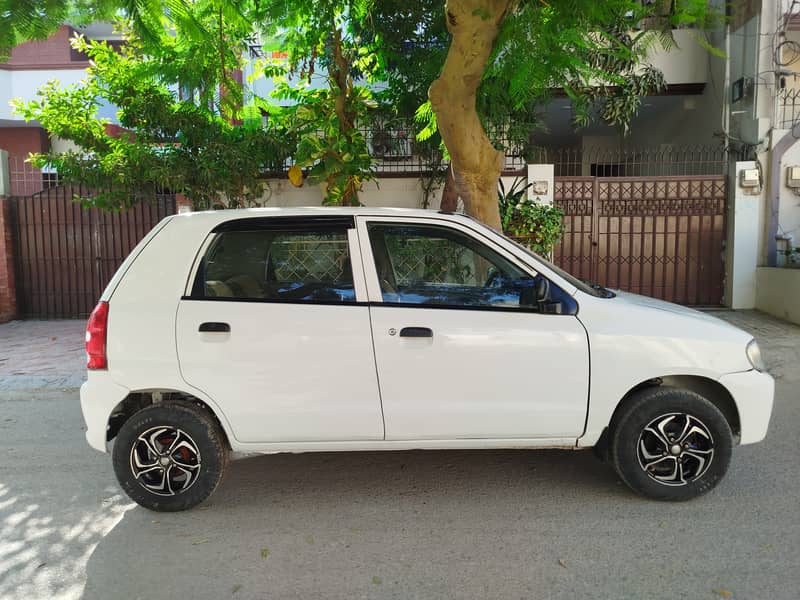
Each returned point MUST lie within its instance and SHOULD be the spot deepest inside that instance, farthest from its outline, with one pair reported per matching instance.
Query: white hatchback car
(301, 330)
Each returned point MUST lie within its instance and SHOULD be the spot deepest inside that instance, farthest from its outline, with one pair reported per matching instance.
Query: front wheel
(671, 444)
(169, 457)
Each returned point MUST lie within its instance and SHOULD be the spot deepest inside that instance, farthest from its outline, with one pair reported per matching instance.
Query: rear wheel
(170, 457)
(671, 444)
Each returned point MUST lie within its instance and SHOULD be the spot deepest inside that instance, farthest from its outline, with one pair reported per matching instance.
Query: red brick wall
(19, 141)
(52, 53)
(182, 201)
(8, 292)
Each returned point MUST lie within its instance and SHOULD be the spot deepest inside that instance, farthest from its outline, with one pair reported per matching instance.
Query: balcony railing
(788, 108)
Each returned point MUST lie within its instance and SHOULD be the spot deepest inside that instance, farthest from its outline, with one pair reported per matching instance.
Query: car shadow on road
(291, 525)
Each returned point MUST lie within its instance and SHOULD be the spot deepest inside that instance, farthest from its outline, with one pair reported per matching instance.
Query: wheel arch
(708, 388)
(136, 400)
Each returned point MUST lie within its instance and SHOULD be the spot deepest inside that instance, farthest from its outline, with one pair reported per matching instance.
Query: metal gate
(65, 254)
(656, 236)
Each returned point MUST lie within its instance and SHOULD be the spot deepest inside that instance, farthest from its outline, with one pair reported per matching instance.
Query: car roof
(320, 211)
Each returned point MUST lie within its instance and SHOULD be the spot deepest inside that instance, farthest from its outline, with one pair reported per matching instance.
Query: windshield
(585, 286)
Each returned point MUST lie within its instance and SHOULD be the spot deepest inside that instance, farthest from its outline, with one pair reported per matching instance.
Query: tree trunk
(449, 201)
(474, 25)
(342, 87)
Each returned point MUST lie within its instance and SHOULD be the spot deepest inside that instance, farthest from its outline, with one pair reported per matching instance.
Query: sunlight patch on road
(46, 543)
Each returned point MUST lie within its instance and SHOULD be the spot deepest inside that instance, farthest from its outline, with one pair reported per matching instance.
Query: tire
(163, 480)
(670, 444)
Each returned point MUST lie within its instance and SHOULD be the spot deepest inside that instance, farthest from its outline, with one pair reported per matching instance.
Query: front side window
(277, 265)
(438, 266)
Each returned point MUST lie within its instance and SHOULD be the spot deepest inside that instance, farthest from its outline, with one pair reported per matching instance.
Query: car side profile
(331, 329)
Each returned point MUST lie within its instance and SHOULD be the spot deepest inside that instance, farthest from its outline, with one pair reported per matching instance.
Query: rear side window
(293, 265)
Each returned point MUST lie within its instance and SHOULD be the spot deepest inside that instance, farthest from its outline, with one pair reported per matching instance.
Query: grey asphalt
(426, 525)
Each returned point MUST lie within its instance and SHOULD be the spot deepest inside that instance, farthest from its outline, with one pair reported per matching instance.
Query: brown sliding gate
(65, 255)
(656, 236)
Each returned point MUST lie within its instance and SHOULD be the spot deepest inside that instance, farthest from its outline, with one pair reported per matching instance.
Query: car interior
(277, 265)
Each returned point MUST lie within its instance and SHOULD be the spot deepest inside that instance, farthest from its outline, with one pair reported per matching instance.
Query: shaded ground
(456, 524)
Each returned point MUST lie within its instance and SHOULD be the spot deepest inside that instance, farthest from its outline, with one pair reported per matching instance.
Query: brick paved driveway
(42, 353)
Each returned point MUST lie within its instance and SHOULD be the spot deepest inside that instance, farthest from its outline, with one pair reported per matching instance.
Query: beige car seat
(218, 289)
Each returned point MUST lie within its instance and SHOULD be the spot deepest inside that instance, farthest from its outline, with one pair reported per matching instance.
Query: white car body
(298, 377)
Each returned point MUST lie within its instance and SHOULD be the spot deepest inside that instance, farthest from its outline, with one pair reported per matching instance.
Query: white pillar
(744, 214)
(541, 180)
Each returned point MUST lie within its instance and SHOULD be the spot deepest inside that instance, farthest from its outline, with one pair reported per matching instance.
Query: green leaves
(179, 144)
(538, 226)
(597, 52)
(325, 36)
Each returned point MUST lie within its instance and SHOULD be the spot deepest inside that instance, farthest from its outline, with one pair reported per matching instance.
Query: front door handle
(416, 332)
(213, 327)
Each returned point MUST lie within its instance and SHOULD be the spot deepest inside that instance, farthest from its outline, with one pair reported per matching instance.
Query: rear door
(464, 346)
(276, 330)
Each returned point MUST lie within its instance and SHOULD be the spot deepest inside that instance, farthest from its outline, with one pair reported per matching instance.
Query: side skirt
(373, 445)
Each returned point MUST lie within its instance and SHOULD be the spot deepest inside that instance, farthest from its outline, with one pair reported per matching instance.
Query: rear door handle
(416, 332)
(213, 327)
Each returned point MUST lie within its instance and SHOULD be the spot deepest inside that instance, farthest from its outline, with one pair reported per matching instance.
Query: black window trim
(275, 301)
(517, 309)
(288, 223)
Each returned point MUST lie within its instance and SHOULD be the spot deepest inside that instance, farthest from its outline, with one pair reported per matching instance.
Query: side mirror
(536, 294)
(541, 289)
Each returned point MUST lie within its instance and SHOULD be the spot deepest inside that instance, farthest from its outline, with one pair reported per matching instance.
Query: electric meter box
(793, 177)
(749, 178)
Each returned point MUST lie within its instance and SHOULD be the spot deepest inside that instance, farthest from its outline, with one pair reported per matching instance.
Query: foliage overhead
(327, 65)
(182, 145)
(24, 20)
(357, 53)
(595, 53)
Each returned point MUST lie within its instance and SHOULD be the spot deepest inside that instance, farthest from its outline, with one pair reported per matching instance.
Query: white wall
(686, 63)
(23, 84)
(59, 145)
(789, 211)
(397, 192)
(400, 192)
(779, 293)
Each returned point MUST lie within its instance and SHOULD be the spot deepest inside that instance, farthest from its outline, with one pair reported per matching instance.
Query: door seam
(377, 373)
(371, 330)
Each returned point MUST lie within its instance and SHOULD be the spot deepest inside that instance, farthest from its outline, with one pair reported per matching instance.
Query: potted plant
(533, 224)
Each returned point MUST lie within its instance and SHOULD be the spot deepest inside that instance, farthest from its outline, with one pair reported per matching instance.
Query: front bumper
(754, 394)
(99, 396)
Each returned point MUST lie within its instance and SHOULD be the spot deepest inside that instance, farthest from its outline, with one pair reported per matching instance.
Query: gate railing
(65, 254)
(660, 236)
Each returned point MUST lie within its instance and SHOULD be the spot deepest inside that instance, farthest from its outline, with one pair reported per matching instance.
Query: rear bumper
(99, 396)
(754, 394)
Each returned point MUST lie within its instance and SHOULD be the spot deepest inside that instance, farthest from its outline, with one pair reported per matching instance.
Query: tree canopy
(457, 63)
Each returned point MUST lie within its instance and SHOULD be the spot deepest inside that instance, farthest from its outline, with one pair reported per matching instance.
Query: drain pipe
(786, 142)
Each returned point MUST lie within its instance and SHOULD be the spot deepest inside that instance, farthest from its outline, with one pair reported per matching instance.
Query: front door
(468, 343)
(277, 332)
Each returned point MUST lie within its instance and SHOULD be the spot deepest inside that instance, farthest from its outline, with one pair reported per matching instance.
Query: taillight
(96, 330)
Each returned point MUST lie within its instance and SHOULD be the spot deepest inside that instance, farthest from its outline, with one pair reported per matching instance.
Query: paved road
(498, 524)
